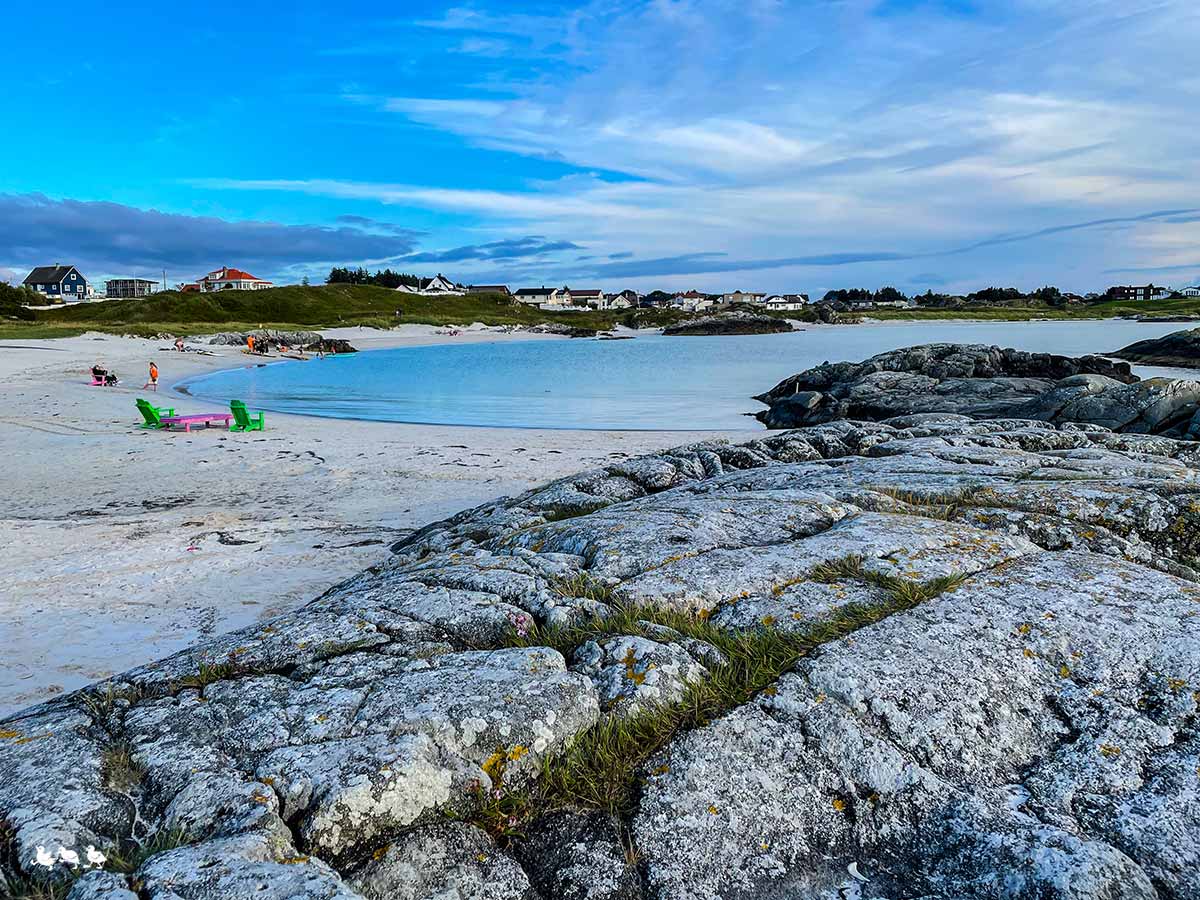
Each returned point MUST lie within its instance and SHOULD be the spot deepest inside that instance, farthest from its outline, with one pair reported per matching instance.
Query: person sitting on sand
(152, 384)
(110, 378)
(98, 373)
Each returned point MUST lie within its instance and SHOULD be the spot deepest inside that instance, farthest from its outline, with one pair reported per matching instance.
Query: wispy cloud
(801, 139)
(516, 248)
(110, 238)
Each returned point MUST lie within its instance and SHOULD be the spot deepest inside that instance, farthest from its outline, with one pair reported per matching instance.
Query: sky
(676, 144)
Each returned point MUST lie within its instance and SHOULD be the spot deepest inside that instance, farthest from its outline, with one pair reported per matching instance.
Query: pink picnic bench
(199, 418)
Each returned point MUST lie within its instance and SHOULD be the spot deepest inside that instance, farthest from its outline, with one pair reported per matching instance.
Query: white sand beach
(121, 545)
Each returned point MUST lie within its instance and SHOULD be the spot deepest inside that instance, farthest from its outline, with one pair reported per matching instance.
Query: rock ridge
(986, 383)
(1021, 725)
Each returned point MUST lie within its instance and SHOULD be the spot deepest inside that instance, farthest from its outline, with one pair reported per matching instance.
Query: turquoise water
(652, 382)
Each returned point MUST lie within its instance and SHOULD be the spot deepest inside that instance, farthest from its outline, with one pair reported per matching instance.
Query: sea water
(649, 382)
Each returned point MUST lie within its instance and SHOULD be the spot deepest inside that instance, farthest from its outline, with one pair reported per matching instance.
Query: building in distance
(129, 287)
(59, 284)
(1138, 292)
(230, 279)
(437, 286)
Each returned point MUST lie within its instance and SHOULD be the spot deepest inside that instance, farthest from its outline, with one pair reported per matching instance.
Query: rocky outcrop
(932, 656)
(330, 345)
(574, 331)
(730, 323)
(985, 383)
(1180, 349)
(268, 337)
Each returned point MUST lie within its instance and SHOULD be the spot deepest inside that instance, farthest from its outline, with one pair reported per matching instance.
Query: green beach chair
(242, 420)
(153, 414)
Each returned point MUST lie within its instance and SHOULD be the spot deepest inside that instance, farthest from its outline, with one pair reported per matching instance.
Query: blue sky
(756, 144)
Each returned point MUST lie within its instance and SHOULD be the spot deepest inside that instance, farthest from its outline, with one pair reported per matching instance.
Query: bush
(14, 302)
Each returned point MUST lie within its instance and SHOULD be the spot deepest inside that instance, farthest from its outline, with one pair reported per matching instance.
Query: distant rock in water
(1180, 348)
(574, 331)
(330, 345)
(985, 383)
(1183, 317)
(730, 324)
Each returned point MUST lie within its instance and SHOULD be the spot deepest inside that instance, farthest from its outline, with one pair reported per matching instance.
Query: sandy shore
(120, 545)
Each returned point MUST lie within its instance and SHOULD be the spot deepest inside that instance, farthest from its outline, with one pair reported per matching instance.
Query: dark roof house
(59, 283)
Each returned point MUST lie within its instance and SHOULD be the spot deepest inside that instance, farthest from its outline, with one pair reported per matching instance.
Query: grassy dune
(297, 306)
(1106, 309)
(328, 306)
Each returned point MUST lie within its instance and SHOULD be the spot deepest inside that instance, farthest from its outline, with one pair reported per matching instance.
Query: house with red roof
(229, 279)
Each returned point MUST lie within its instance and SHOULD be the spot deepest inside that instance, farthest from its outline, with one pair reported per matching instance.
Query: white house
(1191, 291)
(437, 286)
(624, 300)
(542, 296)
(227, 279)
(582, 297)
(785, 302)
(742, 297)
(691, 301)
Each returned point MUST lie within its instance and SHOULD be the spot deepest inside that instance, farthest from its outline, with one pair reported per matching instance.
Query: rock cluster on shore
(986, 383)
(270, 337)
(730, 323)
(931, 657)
(1180, 349)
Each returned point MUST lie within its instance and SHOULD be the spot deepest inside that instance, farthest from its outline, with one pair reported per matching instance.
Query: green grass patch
(583, 586)
(305, 307)
(603, 768)
(1103, 309)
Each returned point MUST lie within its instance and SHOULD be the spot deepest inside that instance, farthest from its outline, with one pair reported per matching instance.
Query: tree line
(992, 296)
(381, 278)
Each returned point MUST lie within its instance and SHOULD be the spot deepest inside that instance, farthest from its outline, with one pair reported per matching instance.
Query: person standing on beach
(249, 343)
(152, 384)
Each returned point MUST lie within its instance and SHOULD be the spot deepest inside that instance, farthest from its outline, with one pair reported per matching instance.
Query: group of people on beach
(262, 346)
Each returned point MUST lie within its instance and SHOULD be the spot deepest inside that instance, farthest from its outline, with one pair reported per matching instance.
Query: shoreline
(124, 545)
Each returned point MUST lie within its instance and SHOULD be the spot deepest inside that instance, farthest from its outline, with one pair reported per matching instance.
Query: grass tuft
(583, 586)
(119, 770)
(129, 856)
(206, 674)
(603, 768)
